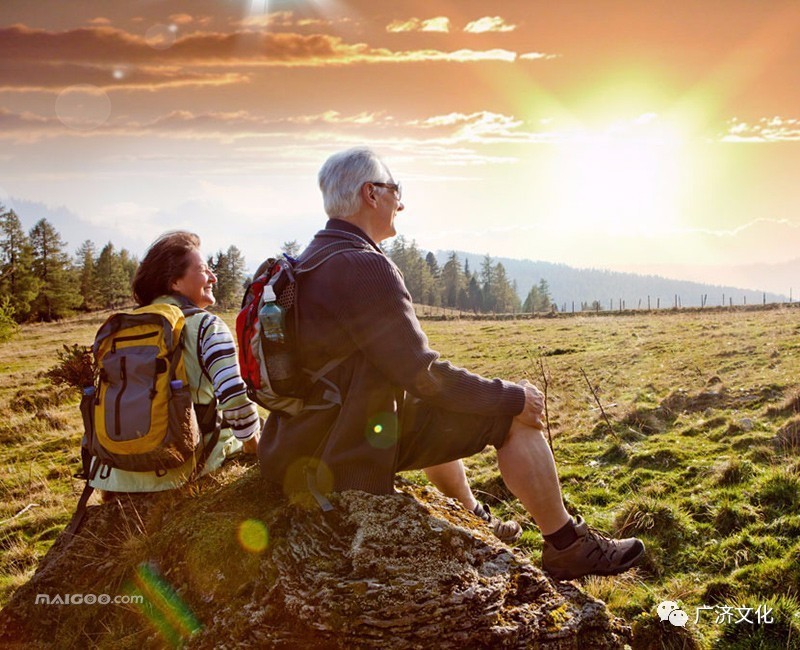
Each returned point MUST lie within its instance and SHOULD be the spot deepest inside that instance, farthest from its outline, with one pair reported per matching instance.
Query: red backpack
(255, 360)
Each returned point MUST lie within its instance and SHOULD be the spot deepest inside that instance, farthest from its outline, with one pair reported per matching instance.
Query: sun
(262, 7)
(618, 182)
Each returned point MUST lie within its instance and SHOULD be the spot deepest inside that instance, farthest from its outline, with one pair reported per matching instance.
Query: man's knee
(519, 431)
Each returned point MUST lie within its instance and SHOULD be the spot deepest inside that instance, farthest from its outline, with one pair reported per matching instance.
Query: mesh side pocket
(183, 433)
(287, 298)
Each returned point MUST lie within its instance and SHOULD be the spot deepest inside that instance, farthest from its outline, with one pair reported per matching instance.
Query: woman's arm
(218, 358)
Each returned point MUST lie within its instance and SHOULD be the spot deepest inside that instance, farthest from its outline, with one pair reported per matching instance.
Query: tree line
(41, 281)
(456, 286)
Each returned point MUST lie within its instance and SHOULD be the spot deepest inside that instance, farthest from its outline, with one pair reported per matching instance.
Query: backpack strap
(80, 510)
(199, 350)
(207, 409)
(323, 254)
(332, 395)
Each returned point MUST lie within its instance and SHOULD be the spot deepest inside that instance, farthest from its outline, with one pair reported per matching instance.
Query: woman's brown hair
(165, 261)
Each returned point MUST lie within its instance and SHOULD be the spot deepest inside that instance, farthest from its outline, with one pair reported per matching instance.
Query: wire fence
(610, 308)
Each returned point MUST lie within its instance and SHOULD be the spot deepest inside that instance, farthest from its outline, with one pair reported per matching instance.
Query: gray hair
(342, 176)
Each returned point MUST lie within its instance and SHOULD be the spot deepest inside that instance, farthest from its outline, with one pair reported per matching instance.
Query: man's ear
(368, 194)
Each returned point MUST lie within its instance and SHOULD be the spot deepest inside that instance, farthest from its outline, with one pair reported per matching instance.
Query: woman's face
(197, 283)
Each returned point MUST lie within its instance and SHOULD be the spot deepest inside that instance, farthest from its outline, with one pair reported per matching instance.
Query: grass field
(695, 450)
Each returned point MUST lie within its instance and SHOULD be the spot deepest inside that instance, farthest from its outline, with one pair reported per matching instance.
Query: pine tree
(538, 298)
(546, 300)
(489, 301)
(474, 294)
(129, 265)
(416, 271)
(291, 248)
(113, 282)
(433, 265)
(58, 294)
(87, 272)
(434, 293)
(229, 269)
(17, 282)
(505, 298)
(452, 281)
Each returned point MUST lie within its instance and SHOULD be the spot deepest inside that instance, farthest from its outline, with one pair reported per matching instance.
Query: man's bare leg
(529, 470)
(571, 550)
(451, 479)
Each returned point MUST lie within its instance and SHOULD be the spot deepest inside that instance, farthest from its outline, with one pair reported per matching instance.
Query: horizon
(657, 139)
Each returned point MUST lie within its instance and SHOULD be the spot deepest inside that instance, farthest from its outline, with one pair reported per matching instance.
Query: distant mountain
(778, 277)
(570, 285)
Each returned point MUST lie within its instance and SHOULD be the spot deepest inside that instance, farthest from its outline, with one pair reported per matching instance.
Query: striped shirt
(218, 358)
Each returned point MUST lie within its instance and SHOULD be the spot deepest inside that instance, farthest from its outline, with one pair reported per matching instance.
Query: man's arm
(377, 312)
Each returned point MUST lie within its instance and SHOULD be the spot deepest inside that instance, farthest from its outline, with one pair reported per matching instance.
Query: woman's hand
(250, 446)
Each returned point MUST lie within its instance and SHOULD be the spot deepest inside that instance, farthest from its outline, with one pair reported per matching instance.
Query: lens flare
(160, 37)
(381, 430)
(163, 607)
(253, 536)
(296, 480)
(83, 107)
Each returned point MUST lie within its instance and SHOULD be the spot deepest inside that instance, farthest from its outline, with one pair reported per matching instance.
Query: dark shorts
(430, 435)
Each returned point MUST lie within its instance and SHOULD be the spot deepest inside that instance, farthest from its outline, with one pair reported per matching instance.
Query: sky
(658, 136)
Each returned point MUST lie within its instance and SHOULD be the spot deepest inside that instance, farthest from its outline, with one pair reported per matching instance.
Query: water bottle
(276, 349)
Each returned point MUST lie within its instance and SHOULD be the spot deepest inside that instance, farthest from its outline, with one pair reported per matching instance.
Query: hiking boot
(506, 531)
(591, 554)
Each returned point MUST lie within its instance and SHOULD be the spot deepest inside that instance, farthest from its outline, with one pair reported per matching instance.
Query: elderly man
(402, 407)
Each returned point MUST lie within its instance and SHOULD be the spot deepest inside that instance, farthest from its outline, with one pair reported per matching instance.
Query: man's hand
(533, 411)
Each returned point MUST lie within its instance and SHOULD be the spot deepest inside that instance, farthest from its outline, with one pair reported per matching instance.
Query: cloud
(767, 129)
(99, 21)
(181, 19)
(43, 77)
(437, 24)
(536, 56)
(455, 129)
(44, 59)
(286, 19)
(481, 127)
(745, 231)
(181, 124)
(273, 19)
(489, 24)
(459, 56)
(335, 117)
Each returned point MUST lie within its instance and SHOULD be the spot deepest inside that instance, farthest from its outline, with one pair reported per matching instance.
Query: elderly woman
(174, 272)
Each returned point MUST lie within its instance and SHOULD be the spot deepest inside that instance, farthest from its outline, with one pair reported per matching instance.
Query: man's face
(389, 204)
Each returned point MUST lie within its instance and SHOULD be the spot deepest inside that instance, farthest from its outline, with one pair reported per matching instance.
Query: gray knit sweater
(356, 305)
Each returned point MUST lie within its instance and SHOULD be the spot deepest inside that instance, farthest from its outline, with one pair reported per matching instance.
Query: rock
(410, 570)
